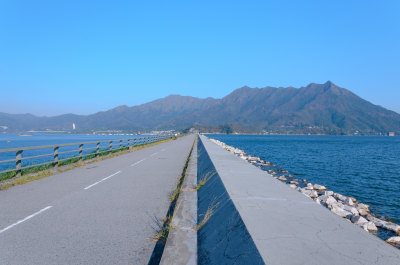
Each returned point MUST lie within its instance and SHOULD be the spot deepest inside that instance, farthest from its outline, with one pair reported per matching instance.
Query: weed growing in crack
(204, 180)
(207, 216)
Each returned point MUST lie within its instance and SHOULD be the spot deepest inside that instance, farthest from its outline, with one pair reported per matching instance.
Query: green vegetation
(162, 235)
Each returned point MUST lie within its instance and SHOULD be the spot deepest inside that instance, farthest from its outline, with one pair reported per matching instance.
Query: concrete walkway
(103, 213)
(285, 226)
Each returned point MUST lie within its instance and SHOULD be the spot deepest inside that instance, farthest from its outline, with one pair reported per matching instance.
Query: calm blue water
(367, 168)
(14, 140)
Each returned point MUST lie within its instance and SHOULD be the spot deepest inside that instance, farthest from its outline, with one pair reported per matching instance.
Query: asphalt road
(103, 213)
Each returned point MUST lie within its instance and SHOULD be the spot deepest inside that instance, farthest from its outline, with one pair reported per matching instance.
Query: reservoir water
(364, 167)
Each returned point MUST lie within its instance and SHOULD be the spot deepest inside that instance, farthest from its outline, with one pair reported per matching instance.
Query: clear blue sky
(86, 56)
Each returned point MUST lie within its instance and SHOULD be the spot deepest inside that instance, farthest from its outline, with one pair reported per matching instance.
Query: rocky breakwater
(344, 206)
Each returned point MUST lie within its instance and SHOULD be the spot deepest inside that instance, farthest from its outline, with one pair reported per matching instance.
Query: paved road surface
(102, 213)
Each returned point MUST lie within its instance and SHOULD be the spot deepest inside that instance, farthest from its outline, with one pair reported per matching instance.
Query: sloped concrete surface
(224, 238)
(287, 227)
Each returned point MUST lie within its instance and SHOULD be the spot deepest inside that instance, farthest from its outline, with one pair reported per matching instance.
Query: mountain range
(316, 108)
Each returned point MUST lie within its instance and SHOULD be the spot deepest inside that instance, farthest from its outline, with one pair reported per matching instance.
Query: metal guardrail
(129, 142)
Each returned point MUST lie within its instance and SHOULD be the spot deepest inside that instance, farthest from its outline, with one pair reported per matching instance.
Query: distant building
(391, 133)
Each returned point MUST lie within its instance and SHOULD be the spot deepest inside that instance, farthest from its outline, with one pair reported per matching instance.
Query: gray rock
(362, 212)
(362, 206)
(354, 199)
(351, 209)
(369, 227)
(383, 224)
(282, 178)
(314, 194)
(330, 200)
(341, 212)
(357, 219)
(309, 186)
(306, 192)
(292, 186)
(339, 196)
(395, 240)
(319, 187)
(349, 201)
(328, 193)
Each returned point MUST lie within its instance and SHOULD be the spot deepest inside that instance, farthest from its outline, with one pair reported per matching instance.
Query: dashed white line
(154, 154)
(88, 187)
(134, 164)
(26, 218)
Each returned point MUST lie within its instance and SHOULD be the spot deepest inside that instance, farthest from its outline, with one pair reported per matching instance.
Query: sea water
(8, 141)
(364, 167)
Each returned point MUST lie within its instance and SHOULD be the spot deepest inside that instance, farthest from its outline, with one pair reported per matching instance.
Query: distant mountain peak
(329, 83)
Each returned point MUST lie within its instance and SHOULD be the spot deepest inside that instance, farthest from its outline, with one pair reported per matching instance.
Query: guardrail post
(129, 145)
(18, 162)
(56, 157)
(98, 149)
(110, 146)
(80, 152)
(120, 144)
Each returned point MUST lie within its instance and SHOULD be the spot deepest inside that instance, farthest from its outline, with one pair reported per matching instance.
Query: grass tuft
(207, 216)
(204, 180)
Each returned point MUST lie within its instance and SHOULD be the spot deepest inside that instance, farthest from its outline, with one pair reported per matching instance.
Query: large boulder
(314, 194)
(395, 240)
(329, 193)
(305, 192)
(351, 209)
(363, 212)
(363, 206)
(309, 186)
(319, 187)
(369, 227)
(348, 201)
(330, 200)
(384, 224)
(341, 212)
(339, 197)
(358, 220)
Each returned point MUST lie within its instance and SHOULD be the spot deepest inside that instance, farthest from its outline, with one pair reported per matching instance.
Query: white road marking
(26, 218)
(134, 164)
(88, 187)
(154, 154)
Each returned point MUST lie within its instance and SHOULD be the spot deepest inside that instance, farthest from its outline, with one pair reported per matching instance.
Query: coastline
(346, 207)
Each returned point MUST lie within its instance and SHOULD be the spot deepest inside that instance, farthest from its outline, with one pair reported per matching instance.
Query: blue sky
(85, 56)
